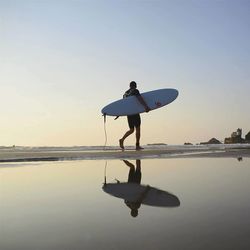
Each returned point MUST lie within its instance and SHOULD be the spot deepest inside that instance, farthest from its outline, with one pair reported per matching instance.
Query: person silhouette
(134, 121)
(134, 176)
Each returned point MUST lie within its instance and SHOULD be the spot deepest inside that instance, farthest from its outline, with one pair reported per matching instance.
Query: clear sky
(62, 61)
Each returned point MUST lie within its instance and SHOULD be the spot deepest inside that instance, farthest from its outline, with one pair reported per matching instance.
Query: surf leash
(105, 132)
(105, 171)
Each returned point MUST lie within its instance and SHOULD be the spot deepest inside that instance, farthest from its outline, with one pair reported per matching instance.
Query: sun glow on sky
(62, 61)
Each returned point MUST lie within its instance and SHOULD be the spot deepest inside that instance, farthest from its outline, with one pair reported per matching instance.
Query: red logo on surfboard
(158, 104)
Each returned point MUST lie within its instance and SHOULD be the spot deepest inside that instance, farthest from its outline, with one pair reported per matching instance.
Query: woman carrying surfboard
(134, 121)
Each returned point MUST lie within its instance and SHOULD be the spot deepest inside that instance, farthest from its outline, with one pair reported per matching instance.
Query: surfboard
(129, 106)
(132, 191)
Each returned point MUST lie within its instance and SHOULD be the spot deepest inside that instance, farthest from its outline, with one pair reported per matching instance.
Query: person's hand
(147, 109)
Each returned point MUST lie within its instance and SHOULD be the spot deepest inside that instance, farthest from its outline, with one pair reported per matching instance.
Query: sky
(61, 62)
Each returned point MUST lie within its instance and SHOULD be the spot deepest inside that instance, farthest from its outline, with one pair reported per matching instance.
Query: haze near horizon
(61, 62)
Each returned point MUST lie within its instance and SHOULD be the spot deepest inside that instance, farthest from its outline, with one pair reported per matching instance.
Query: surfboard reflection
(135, 194)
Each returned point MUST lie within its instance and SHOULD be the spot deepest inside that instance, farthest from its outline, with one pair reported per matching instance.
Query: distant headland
(236, 137)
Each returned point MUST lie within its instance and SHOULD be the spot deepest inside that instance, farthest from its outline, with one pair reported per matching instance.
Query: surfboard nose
(175, 202)
(176, 92)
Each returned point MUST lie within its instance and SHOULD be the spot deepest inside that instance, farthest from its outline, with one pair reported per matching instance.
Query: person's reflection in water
(134, 176)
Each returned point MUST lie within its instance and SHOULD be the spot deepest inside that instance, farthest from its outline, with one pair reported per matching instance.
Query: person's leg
(138, 137)
(128, 133)
(137, 124)
(138, 164)
(138, 172)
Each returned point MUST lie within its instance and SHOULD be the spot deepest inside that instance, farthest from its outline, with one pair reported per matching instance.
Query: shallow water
(62, 205)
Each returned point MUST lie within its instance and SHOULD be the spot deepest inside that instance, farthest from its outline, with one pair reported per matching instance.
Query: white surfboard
(129, 106)
(132, 191)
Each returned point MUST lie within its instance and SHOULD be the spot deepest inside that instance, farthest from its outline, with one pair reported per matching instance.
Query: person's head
(133, 85)
(134, 212)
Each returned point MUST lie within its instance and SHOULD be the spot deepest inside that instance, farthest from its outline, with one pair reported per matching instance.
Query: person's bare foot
(121, 144)
(138, 147)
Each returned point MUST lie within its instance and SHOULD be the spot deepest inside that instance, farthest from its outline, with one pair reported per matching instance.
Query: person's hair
(132, 84)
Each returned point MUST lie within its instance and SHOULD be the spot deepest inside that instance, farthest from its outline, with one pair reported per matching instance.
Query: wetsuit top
(131, 92)
(133, 120)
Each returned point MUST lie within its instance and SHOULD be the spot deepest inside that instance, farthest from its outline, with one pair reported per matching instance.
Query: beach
(183, 197)
(22, 154)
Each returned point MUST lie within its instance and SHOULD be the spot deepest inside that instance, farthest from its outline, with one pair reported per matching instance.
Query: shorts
(134, 121)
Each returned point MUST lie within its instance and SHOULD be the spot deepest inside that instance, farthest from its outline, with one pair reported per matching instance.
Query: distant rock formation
(188, 143)
(235, 137)
(247, 137)
(211, 141)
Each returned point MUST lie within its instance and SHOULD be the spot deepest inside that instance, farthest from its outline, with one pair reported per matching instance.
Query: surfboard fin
(117, 117)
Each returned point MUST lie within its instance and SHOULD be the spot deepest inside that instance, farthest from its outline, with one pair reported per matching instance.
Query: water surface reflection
(135, 194)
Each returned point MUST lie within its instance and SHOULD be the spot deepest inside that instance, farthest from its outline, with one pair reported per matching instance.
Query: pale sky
(62, 61)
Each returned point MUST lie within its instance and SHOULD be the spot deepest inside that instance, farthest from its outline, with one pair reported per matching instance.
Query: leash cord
(105, 133)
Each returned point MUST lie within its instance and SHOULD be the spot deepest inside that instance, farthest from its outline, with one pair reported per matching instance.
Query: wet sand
(24, 155)
(64, 205)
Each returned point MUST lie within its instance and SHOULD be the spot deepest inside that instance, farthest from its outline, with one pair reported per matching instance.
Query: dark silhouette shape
(134, 121)
(134, 193)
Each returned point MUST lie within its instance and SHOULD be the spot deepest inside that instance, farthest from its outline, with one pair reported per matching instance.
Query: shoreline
(174, 152)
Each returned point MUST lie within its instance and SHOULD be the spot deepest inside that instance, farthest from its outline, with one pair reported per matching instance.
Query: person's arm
(143, 103)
